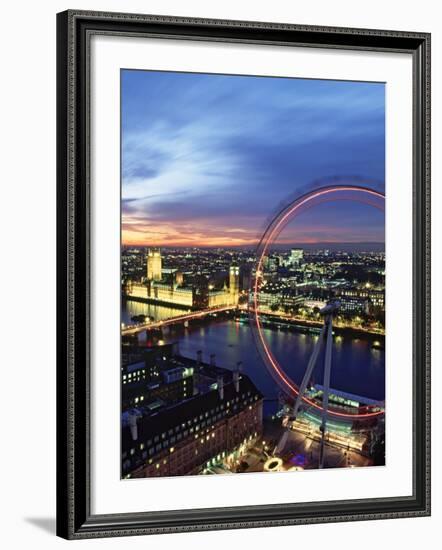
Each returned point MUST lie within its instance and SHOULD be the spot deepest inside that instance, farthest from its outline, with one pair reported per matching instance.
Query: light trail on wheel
(357, 193)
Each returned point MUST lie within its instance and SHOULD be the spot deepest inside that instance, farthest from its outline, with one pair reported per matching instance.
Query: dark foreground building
(176, 439)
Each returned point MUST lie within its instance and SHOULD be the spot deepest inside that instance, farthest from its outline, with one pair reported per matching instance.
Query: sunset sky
(207, 160)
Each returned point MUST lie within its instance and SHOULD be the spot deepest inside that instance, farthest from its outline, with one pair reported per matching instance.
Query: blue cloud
(202, 145)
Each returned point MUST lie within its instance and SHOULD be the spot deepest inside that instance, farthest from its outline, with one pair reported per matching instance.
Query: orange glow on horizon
(129, 238)
(243, 230)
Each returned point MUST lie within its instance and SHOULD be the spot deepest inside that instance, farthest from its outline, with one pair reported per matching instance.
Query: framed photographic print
(243, 274)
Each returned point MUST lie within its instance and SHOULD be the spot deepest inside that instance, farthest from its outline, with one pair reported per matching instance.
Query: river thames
(357, 367)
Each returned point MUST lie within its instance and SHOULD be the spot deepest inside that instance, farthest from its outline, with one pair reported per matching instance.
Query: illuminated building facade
(180, 439)
(154, 265)
(167, 287)
(296, 256)
(375, 296)
(178, 278)
(266, 300)
(172, 385)
(146, 364)
(355, 305)
(286, 299)
(234, 280)
(163, 292)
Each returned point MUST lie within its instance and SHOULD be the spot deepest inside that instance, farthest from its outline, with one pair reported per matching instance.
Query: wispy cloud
(211, 157)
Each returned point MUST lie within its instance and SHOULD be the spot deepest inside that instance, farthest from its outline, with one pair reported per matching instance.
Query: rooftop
(163, 419)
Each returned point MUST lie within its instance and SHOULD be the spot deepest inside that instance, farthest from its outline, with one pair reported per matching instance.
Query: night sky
(207, 160)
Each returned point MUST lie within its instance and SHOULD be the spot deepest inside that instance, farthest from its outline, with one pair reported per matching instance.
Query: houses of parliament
(168, 287)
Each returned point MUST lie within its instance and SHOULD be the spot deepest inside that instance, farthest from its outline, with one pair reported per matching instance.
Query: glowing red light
(269, 237)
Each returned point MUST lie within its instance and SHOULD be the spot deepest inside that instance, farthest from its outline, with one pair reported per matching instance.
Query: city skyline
(198, 395)
(359, 246)
(208, 159)
(252, 274)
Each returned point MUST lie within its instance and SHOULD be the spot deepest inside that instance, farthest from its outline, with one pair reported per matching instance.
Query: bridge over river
(135, 329)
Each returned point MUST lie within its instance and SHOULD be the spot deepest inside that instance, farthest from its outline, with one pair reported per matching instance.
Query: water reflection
(357, 366)
(130, 308)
